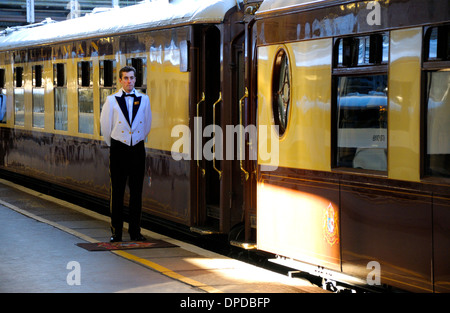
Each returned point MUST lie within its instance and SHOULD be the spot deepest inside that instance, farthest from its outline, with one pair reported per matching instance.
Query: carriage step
(204, 230)
(243, 245)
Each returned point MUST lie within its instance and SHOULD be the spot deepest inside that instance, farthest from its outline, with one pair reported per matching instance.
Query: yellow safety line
(165, 271)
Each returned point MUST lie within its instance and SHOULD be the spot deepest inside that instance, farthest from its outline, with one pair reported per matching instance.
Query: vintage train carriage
(345, 114)
(357, 95)
(54, 78)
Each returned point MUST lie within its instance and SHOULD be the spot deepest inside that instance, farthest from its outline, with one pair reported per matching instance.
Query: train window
(140, 64)
(281, 93)
(107, 80)
(438, 123)
(38, 97)
(2, 96)
(437, 43)
(60, 93)
(361, 93)
(437, 100)
(184, 56)
(85, 98)
(19, 97)
(362, 122)
(107, 73)
(85, 74)
(59, 75)
(18, 76)
(2, 78)
(37, 75)
(362, 51)
(19, 107)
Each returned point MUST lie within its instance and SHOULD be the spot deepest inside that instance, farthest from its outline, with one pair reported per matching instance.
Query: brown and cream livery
(350, 100)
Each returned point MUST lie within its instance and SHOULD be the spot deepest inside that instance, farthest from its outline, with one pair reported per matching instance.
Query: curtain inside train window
(60, 93)
(3, 101)
(85, 98)
(107, 81)
(362, 122)
(19, 97)
(38, 97)
(438, 123)
(437, 100)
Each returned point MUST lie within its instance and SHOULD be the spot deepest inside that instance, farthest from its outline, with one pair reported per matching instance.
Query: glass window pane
(85, 73)
(364, 50)
(19, 107)
(60, 108)
(38, 107)
(104, 93)
(2, 78)
(438, 124)
(432, 53)
(385, 57)
(107, 73)
(18, 77)
(340, 52)
(59, 74)
(37, 76)
(362, 122)
(86, 111)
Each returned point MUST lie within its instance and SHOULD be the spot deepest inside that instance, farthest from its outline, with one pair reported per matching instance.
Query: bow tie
(130, 95)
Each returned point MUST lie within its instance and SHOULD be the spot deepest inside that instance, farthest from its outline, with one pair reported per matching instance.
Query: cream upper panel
(168, 89)
(404, 104)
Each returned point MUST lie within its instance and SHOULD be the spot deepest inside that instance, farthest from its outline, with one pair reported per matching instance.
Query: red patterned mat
(124, 245)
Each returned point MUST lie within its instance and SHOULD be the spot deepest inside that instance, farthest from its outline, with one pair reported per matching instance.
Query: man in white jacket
(126, 120)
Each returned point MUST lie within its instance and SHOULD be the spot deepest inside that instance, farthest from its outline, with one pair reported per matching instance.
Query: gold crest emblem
(330, 225)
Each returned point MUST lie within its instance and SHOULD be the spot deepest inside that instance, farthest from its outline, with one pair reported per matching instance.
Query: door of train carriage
(218, 192)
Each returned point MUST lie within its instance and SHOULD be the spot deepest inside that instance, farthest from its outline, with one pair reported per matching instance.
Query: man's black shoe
(115, 238)
(137, 237)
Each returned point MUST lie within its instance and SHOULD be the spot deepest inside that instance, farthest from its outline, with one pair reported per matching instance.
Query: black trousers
(126, 162)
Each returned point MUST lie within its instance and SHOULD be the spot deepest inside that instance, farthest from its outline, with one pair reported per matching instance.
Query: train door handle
(241, 126)
(197, 131)
(214, 138)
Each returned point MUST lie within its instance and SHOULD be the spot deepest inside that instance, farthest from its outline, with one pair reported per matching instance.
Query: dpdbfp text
(246, 302)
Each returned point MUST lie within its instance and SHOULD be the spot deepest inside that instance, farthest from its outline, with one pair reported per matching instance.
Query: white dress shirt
(129, 101)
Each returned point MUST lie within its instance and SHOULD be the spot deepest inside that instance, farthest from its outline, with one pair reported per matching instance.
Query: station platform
(39, 236)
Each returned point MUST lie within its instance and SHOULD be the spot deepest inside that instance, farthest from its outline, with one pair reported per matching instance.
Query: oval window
(281, 90)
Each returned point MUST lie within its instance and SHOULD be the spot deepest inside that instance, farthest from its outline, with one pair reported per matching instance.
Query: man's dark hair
(127, 69)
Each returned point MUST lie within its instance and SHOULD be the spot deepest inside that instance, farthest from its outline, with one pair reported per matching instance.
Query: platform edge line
(167, 272)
